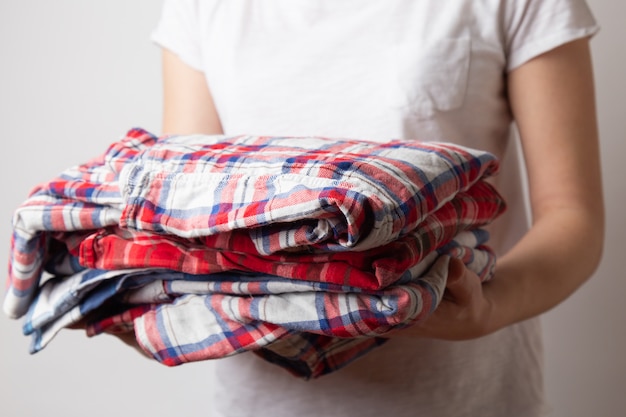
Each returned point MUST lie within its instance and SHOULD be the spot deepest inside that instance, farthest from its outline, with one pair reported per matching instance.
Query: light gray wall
(74, 75)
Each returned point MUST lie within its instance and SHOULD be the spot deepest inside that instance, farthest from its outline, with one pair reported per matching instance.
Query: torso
(423, 70)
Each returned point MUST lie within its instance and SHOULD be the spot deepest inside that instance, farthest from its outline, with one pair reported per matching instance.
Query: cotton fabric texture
(303, 250)
(427, 70)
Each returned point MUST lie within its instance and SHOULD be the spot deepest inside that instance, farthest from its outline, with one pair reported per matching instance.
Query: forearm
(558, 254)
(555, 257)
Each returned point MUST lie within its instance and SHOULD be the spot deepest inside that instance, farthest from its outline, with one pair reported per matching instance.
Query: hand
(465, 311)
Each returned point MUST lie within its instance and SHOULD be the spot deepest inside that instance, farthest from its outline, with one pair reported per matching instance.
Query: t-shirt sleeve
(177, 31)
(533, 27)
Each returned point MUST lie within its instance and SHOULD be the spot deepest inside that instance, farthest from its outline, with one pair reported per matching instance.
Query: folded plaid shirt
(83, 198)
(222, 314)
(374, 268)
(350, 221)
(315, 192)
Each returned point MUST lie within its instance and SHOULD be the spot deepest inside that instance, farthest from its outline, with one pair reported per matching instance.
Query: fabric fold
(305, 251)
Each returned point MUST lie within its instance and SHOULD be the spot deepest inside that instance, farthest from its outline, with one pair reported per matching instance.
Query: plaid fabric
(65, 300)
(322, 193)
(84, 197)
(337, 234)
(375, 268)
(247, 311)
(314, 192)
(222, 317)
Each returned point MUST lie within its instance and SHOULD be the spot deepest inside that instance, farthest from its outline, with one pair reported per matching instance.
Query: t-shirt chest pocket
(428, 77)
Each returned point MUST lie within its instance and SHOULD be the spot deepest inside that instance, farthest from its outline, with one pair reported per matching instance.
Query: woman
(456, 70)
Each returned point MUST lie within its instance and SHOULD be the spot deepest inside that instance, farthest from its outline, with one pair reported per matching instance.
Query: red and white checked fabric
(82, 198)
(288, 192)
(292, 192)
(349, 213)
(375, 268)
(210, 320)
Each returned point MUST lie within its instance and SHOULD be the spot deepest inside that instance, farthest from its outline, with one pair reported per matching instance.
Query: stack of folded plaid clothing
(305, 250)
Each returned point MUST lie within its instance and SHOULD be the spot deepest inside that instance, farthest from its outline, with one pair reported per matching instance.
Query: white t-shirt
(413, 69)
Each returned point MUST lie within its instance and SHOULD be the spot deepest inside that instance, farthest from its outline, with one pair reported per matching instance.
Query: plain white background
(75, 75)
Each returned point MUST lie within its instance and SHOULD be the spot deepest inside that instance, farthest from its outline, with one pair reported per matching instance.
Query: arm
(553, 102)
(187, 103)
(552, 99)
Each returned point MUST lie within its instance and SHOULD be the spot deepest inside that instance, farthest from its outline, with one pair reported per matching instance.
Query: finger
(459, 288)
(456, 270)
